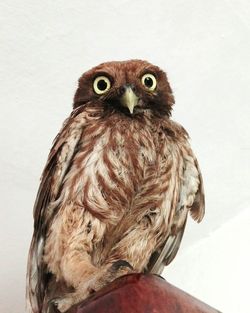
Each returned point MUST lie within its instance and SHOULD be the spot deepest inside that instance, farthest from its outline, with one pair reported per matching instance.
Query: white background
(205, 48)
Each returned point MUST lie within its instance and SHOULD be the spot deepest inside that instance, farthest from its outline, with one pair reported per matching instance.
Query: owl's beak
(129, 99)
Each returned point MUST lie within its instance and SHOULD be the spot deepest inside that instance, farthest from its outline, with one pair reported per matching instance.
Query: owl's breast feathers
(121, 165)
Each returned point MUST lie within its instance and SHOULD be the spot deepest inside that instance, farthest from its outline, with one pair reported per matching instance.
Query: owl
(119, 183)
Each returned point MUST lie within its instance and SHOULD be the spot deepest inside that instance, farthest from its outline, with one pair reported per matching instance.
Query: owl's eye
(101, 84)
(149, 81)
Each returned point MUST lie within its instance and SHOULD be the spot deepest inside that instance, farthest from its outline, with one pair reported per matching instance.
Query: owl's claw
(53, 302)
(62, 303)
(121, 264)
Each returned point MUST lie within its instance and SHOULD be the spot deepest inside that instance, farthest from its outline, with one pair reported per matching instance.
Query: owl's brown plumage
(116, 190)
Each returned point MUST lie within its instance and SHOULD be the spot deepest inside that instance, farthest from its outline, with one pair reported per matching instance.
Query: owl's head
(129, 87)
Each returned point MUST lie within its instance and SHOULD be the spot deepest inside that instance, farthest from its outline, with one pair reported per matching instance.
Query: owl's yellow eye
(149, 81)
(101, 84)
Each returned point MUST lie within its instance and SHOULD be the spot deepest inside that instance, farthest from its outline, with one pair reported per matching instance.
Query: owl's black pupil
(148, 81)
(102, 85)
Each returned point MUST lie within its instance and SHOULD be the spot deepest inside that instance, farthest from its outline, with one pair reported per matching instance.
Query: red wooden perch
(138, 293)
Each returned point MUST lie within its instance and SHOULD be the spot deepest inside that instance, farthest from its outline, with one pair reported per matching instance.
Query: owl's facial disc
(129, 99)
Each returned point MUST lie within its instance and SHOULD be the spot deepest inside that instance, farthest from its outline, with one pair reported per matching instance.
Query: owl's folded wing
(59, 160)
(191, 200)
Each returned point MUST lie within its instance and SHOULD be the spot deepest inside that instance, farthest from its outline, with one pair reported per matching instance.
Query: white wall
(203, 45)
(216, 269)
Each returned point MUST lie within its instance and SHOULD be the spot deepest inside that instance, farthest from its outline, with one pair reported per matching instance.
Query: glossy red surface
(138, 293)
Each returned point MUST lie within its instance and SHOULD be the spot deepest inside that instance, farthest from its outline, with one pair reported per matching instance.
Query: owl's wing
(191, 200)
(59, 160)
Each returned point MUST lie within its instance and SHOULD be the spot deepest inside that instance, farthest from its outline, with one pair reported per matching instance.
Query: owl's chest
(122, 155)
(113, 163)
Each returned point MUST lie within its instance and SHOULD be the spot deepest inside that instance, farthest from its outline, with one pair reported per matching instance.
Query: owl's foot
(117, 269)
(62, 304)
(105, 276)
